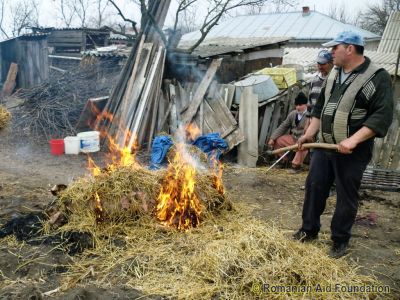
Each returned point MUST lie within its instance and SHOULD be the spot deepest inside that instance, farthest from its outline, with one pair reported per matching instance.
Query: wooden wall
(30, 53)
(387, 150)
(32, 59)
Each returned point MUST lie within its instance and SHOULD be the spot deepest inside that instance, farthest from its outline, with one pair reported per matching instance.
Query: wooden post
(248, 123)
(10, 83)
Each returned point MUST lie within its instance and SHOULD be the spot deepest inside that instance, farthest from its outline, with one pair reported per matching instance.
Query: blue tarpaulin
(160, 147)
(212, 144)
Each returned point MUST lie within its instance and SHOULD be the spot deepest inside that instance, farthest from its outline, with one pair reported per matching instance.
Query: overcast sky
(47, 8)
(48, 11)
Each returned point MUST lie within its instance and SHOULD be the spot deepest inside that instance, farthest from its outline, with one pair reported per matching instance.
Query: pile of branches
(52, 109)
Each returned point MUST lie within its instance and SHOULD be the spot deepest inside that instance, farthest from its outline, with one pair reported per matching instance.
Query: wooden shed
(74, 40)
(30, 52)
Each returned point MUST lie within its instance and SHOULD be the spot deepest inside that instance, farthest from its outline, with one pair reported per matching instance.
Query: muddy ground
(27, 171)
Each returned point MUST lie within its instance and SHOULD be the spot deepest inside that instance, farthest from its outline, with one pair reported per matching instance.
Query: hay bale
(5, 117)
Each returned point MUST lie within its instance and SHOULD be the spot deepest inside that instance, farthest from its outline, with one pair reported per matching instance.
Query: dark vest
(339, 104)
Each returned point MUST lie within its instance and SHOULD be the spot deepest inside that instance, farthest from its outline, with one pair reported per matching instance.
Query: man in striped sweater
(324, 64)
(354, 107)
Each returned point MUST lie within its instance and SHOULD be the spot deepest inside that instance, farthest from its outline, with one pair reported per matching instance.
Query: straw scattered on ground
(5, 117)
(231, 255)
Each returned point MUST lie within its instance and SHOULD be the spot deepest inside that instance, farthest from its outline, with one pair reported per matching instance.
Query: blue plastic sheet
(160, 147)
(212, 144)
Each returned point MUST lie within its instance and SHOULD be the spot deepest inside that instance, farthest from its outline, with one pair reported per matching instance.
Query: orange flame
(217, 176)
(117, 155)
(98, 208)
(178, 205)
(192, 131)
(96, 171)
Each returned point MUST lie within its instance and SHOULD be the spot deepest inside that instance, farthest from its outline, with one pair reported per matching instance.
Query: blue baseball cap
(346, 37)
(324, 57)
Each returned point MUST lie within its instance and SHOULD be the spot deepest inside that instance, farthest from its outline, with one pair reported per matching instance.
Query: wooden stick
(306, 146)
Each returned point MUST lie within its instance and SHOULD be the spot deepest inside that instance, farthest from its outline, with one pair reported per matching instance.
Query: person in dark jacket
(354, 107)
(291, 129)
(324, 65)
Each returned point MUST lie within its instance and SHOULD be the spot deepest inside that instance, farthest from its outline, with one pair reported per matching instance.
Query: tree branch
(133, 23)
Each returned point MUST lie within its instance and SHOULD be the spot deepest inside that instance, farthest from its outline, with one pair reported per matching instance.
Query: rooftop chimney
(306, 11)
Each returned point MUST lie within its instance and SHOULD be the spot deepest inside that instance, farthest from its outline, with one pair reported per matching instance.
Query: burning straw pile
(218, 252)
(5, 117)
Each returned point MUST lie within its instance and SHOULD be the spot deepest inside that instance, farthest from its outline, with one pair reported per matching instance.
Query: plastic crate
(283, 77)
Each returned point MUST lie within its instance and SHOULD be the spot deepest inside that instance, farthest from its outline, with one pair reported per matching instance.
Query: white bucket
(90, 141)
(72, 144)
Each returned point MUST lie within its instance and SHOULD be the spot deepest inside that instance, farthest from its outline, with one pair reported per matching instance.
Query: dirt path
(28, 170)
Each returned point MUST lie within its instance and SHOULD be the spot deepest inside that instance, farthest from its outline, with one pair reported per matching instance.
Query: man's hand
(303, 139)
(347, 146)
(271, 142)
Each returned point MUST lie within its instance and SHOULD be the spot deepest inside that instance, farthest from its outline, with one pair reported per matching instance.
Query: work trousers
(288, 140)
(346, 170)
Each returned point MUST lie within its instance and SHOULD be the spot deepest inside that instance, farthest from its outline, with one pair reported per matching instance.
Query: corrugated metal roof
(390, 41)
(312, 26)
(212, 47)
(307, 58)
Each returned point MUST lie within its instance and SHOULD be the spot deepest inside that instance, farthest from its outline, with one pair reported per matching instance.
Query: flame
(96, 171)
(98, 208)
(117, 155)
(178, 205)
(192, 131)
(217, 168)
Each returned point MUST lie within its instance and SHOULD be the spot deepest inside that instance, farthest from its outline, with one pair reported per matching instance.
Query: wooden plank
(223, 117)
(276, 115)
(138, 84)
(395, 165)
(92, 109)
(248, 124)
(228, 93)
(201, 90)
(265, 126)
(160, 56)
(10, 82)
(389, 145)
(234, 138)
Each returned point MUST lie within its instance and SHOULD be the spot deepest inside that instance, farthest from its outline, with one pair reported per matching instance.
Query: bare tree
(376, 16)
(81, 8)
(274, 6)
(130, 21)
(100, 17)
(339, 13)
(216, 10)
(66, 11)
(2, 8)
(24, 14)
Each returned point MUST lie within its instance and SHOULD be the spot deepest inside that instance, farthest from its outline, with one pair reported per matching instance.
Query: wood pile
(206, 104)
(133, 103)
(143, 104)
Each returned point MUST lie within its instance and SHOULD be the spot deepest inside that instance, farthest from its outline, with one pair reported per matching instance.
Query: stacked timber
(131, 110)
(205, 104)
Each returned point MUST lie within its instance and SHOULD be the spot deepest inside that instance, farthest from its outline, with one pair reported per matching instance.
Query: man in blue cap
(354, 107)
(324, 65)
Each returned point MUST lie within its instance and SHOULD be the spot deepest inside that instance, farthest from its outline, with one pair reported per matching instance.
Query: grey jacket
(289, 126)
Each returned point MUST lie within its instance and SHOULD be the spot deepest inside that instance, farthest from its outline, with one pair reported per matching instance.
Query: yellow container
(283, 77)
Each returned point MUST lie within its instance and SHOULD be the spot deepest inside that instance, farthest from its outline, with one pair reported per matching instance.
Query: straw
(5, 117)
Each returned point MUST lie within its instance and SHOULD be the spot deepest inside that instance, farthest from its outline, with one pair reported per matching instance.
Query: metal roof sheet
(296, 25)
(212, 47)
(390, 41)
(307, 58)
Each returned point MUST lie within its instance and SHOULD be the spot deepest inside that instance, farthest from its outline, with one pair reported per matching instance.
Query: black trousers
(346, 170)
